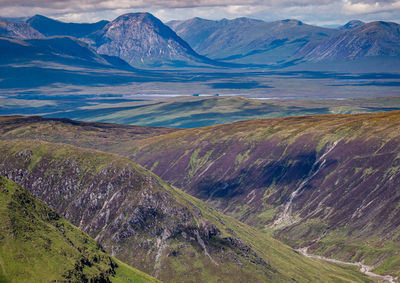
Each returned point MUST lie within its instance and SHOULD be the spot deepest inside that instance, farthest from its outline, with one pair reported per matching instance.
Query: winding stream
(285, 216)
(363, 268)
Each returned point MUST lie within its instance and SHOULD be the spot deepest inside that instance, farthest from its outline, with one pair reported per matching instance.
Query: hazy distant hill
(18, 30)
(50, 27)
(247, 40)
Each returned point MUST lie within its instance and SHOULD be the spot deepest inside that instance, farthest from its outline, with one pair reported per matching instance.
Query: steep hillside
(50, 27)
(18, 30)
(152, 226)
(324, 181)
(37, 245)
(247, 40)
(375, 39)
(142, 39)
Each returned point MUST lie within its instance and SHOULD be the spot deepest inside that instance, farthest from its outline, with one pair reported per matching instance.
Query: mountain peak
(293, 22)
(142, 39)
(352, 24)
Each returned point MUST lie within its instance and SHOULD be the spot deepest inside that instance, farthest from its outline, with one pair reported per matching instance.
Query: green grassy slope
(153, 226)
(37, 245)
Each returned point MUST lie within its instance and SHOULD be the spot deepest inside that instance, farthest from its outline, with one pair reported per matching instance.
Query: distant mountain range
(143, 40)
(249, 41)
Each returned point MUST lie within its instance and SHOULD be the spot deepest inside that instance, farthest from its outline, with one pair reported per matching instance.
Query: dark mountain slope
(37, 245)
(62, 50)
(59, 60)
(142, 39)
(247, 40)
(50, 27)
(375, 39)
(18, 30)
(326, 181)
(153, 226)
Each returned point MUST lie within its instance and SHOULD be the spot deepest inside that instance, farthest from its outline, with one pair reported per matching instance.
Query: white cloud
(367, 7)
(313, 11)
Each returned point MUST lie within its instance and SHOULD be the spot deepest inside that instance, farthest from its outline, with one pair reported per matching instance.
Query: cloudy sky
(322, 12)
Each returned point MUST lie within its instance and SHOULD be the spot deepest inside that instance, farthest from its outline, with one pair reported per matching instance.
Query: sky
(318, 12)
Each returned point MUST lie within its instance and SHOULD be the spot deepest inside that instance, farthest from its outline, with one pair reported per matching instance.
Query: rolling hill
(36, 244)
(151, 225)
(192, 112)
(319, 181)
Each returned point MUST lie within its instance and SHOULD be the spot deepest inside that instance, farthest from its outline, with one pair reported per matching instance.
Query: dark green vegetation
(329, 182)
(151, 225)
(37, 245)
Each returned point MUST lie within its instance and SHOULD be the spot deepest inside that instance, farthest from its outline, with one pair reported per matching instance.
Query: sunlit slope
(37, 245)
(152, 226)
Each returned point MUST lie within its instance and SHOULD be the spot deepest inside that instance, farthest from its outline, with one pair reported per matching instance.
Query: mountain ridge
(51, 27)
